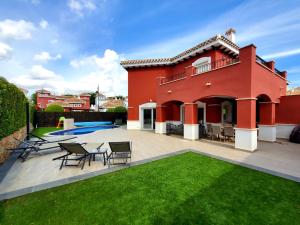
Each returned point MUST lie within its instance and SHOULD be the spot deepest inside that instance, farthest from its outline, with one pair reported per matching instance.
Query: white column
(160, 127)
(68, 124)
(246, 139)
(284, 130)
(267, 133)
(191, 131)
(133, 125)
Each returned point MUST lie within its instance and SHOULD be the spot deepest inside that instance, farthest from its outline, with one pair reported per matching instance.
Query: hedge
(12, 108)
(117, 109)
(54, 108)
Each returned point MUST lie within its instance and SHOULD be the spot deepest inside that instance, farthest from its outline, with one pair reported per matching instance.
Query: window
(76, 105)
(202, 65)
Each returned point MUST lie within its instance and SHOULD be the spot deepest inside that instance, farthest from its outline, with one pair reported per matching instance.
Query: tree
(120, 97)
(117, 109)
(54, 108)
(33, 98)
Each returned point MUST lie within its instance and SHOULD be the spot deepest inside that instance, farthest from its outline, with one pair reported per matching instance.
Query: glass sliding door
(148, 118)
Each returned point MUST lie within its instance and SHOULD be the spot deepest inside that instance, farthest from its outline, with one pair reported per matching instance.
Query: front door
(149, 118)
(201, 115)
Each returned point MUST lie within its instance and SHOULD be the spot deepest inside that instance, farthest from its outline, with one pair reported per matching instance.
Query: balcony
(218, 64)
(193, 71)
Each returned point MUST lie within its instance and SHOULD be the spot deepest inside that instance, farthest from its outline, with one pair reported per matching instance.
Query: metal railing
(215, 65)
(279, 72)
(172, 78)
(261, 61)
(265, 63)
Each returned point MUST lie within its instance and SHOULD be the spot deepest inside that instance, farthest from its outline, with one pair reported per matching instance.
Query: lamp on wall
(208, 84)
(169, 91)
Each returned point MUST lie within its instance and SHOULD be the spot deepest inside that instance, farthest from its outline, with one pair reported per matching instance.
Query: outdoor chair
(120, 151)
(38, 145)
(216, 132)
(228, 133)
(209, 131)
(76, 152)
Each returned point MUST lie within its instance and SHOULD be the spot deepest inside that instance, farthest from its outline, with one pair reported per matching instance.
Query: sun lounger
(28, 147)
(120, 151)
(76, 152)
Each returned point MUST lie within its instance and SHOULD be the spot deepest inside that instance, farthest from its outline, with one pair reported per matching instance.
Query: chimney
(230, 34)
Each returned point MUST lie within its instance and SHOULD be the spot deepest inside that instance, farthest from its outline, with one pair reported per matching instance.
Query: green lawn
(40, 131)
(184, 189)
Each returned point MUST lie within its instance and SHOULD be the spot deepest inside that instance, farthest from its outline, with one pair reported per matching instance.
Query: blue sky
(71, 46)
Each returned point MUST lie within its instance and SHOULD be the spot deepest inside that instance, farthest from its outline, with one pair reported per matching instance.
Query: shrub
(54, 108)
(118, 109)
(12, 108)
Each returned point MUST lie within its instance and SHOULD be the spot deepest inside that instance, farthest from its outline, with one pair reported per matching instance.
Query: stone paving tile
(280, 158)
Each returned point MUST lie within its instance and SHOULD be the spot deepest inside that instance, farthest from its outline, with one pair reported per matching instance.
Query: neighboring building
(69, 103)
(214, 82)
(106, 103)
(111, 104)
(293, 91)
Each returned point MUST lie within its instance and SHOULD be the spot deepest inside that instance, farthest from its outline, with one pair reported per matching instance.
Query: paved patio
(277, 158)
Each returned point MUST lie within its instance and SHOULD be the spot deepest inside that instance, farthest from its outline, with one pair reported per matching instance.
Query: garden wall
(10, 142)
(287, 115)
(12, 116)
(50, 119)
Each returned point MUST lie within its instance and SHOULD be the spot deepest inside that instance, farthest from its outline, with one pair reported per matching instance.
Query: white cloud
(39, 77)
(105, 71)
(19, 30)
(282, 54)
(79, 6)
(45, 57)
(5, 51)
(43, 24)
(88, 72)
(38, 72)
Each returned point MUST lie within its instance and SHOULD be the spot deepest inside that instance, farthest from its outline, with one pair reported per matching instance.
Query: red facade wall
(267, 113)
(288, 110)
(142, 83)
(244, 79)
(213, 110)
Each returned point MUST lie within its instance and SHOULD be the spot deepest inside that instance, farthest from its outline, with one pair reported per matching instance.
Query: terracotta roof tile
(181, 55)
(112, 104)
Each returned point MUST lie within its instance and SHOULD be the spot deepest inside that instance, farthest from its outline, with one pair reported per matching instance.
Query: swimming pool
(92, 123)
(83, 130)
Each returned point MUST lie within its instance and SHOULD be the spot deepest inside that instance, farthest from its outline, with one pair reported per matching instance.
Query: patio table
(96, 150)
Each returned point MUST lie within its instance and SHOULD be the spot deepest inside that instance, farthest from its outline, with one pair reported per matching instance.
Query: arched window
(202, 64)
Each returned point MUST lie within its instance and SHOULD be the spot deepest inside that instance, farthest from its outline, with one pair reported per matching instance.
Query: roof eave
(220, 40)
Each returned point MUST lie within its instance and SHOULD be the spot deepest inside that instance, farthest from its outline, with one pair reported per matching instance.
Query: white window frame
(199, 63)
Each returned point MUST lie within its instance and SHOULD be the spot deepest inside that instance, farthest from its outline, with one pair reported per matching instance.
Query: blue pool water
(83, 130)
(92, 123)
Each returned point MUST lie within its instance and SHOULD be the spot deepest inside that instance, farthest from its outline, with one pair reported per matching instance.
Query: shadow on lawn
(237, 197)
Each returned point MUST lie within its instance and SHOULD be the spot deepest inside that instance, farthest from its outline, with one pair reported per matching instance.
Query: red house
(69, 103)
(214, 82)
